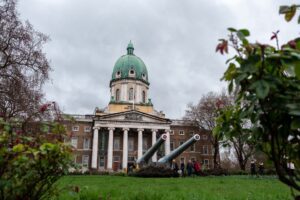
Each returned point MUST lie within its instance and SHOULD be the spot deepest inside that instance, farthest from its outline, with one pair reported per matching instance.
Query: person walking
(174, 166)
(182, 169)
(189, 168)
(252, 168)
(197, 167)
(261, 168)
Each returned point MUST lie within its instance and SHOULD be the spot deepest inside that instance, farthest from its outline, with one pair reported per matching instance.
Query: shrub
(213, 172)
(154, 171)
(29, 166)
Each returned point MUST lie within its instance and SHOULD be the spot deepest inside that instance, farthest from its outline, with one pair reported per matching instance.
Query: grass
(204, 188)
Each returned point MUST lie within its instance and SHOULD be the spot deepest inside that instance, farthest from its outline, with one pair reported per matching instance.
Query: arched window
(117, 95)
(144, 97)
(130, 94)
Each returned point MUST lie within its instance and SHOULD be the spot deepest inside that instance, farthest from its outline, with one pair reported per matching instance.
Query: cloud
(176, 40)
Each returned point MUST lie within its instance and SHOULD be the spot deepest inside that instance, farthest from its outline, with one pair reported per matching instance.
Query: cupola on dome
(130, 66)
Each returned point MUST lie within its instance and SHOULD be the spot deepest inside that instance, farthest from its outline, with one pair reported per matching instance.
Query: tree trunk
(216, 153)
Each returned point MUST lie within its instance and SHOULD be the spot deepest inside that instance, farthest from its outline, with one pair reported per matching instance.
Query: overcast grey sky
(175, 39)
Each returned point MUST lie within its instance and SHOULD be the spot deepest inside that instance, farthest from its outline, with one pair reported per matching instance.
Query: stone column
(140, 143)
(125, 148)
(167, 142)
(95, 148)
(154, 157)
(110, 148)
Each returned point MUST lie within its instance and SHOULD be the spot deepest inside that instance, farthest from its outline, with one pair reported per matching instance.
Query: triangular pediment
(133, 116)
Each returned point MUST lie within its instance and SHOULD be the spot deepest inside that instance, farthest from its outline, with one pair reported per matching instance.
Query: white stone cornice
(116, 124)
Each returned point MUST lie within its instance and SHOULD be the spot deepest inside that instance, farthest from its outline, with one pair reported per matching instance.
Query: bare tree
(205, 113)
(23, 66)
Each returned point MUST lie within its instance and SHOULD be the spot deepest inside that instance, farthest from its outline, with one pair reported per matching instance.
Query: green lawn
(210, 188)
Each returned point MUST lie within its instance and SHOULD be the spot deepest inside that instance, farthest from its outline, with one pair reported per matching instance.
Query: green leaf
(284, 9)
(230, 72)
(261, 87)
(240, 35)
(298, 40)
(18, 148)
(295, 124)
(231, 29)
(297, 70)
(230, 87)
(245, 32)
(290, 14)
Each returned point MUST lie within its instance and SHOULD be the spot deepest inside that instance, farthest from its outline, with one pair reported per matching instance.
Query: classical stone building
(112, 137)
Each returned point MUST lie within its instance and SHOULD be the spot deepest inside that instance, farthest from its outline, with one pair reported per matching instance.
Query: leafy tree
(267, 81)
(23, 66)
(235, 133)
(205, 113)
(32, 153)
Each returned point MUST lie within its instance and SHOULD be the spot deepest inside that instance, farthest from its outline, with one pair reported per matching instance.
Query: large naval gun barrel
(145, 158)
(168, 158)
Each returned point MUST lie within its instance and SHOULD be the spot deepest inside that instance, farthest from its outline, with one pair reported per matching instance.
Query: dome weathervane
(130, 48)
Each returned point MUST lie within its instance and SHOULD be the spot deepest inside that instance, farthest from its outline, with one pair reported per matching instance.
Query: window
(144, 97)
(131, 72)
(181, 143)
(130, 94)
(205, 150)
(130, 144)
(87, 129)
(85, 161)
(75, 158)
(117, 95)
(181, 132)
(145, 144)
(172, 146)
(131, 159)
(193, 147)
(74, 141)
(193, 159)
(118, 74)
(116, 143)
(75, 128)
(171, 132)
(204, 137)
(192, 133)
(86, 143)
(206, 162)
(116, 159)
(101, 161)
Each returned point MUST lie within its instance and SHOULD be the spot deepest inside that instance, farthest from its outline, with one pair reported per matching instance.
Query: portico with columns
(134, 125)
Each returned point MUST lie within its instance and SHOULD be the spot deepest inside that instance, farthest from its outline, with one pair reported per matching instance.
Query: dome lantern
(130, 48)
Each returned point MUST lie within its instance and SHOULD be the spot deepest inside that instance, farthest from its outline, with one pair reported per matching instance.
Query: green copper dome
(130, 66)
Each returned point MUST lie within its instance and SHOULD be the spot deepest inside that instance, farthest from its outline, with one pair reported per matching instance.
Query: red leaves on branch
(275, 35)
(44, 107)
(222, 46)
(292, 44)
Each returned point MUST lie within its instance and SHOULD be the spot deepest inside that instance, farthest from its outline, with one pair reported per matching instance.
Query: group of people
(261, 168)
(192, 167)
